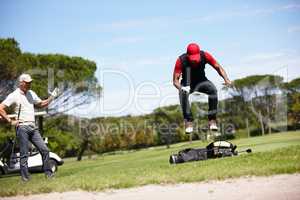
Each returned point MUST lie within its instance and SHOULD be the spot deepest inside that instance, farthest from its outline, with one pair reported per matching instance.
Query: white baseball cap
(25, 77)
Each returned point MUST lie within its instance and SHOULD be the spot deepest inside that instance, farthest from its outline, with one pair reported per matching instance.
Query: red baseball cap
(193, 52)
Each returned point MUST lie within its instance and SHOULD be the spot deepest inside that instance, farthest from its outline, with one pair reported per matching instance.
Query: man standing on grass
(26, 131)
(190, 68)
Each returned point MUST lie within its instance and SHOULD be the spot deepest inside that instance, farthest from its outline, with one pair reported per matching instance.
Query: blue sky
(135, 43)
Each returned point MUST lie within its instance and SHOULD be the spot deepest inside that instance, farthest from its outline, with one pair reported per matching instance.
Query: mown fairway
(274, 154)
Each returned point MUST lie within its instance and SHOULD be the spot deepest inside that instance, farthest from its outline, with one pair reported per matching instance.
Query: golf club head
(173, 159)
(55, 92)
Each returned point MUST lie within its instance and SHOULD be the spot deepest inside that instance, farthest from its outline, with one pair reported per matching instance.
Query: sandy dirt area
(278, 187)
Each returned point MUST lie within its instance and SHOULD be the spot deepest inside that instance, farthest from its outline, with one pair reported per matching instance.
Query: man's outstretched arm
(176, 83)
(222, 73)
(177, 74)
(46, 102)
(217, 67)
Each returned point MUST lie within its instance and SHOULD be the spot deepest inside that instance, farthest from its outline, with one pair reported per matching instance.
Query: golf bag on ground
(213, 150)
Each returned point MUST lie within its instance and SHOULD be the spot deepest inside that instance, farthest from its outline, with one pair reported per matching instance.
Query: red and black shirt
(193, 74)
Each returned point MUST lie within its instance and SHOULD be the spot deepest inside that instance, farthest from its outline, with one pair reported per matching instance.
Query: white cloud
(246, 12)
(263, 57)
(169, 21)
(132, 24)
(133, 63)
(291, 6)
(294, 29)
(125, 40)
(282, 62)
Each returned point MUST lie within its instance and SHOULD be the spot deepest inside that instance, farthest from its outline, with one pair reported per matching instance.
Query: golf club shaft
(19, 111)
(18, 117)
(16, 128)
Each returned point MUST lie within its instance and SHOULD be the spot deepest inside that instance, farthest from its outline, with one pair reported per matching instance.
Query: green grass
(273, 154)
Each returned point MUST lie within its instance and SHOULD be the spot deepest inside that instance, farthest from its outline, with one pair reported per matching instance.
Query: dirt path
(278, 187)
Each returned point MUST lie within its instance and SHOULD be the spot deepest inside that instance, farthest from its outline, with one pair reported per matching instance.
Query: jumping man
(190, 68)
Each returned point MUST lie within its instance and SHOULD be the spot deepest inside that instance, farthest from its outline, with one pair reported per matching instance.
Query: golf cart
(10, 155)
